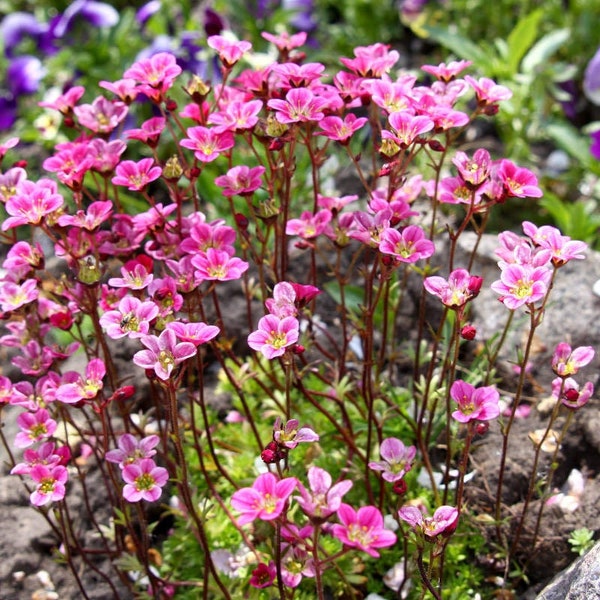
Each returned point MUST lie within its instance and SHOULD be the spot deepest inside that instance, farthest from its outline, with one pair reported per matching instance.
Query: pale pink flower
(284, 41)
(283, 302)
(136, 275)
(144, 480)
(149, 132)
(310, 225)
(340, 130)
(371, 61)
(236, 116)
(229, 51)
(9, 180)
(522, 284)
(265, 500)
(562, 248)
(474, 171)
(296, 563)
(443, 522)
(487, 91)
(34, 358)
(207, 143)
(447, 72)
(132, 450)
(300, 105)
(241, 180)
(136, 176)
(474, 404)
(195, 333)
(396, 459)
(70, 164)
(47, 454)
(14, 295)
(274, 335)
(322, 499)
(106, 155)
(292, 75)
(125, 89)
(454, 190)
(102, 115)
(567, 362)
(392, 96)
(35, 427)
(457, 290)
(215, 264)
(50, 482)
(408, 245)
(76, 387)
(570, 394)
(32, 202)
(131, 318)
(97, 214)
(290, 435)
(65, 102)
(406, 128)
(163, 353)
(363, 529)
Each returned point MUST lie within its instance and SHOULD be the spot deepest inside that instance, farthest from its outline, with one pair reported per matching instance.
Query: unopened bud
(400, 487)
(173, 169)
(482, 427)
(468, 332)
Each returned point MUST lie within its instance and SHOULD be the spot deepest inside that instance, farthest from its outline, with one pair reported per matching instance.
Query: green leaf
(571, 141)
(544, 49)
(462, 46)
(521, 38)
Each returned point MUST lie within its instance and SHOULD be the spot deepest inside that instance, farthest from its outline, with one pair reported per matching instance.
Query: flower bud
(468, 332)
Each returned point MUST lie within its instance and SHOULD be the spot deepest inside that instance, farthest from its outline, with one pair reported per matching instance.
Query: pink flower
(323, 498)
(218, 265)
(34, 359)
(567, 362)
(406, 128)
(70, 164)
(443, 522)
(144, 480)
(300, 105)
(283, 302)
(125, 89)
(14, 295)
(65, 102)
(522, 284)
(195, 333)
(562, 248)
(47, 454)
(35, 427)
(132, 450)
(32, 202)
(149, 132)
(371, 61)
(518, 182)
(163, 353)
(155, 74)
(237, 116)
(274, 335)
(409, 245)
(488, 92)
(207, 143)
(309, 226)
(293, 75)
(460, 288)
(106, 155)
(570, 394)
(102, 116)
(475, 171)
(447, 72)
(9, 180)
(229, 51)
(265, 500)
(474, 404)
(97, 213)
(397, 459)
(132, 318)
(136, 176)
(363, 529)
(136, 274)
(341, 130)
(290, 435)
(241, 180)
(263, 576)
(284, 41)
(78, 388)
(50, 482)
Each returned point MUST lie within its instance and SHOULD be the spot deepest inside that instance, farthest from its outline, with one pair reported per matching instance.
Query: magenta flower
(241, 180)
(78, 388)
(323, 498)
(363, 529)
(265, 500)
(567, 362)
(106, 155)
(195, 333)
(47, 454)
(9, 181)
(474, 404)
(522, 284)
(570, 394)
(218, 265)
(460, 288)
(283, 302)
(518, 181)
(132, 318)
(474, 171)
(263, 576)
(487, 91)
(136, 176)
(70, 164)
(163, 353)
(396, 459)
(290, 435)
(144, 480)
(300, 106)
(562, 248)
(274, 335)
(447, 72)
(284, 41)
(96, 214)
(409, 245)
(32, 202)
(406, 128)
(207, 143)
(237, 116)
(50, 482)
(131, 449)
(136, 276)
(229, 51)
(149, 132)
(65, 102)
(35, 427)
(443, 522)
(341, 130)
(102, 116)
(155, 74)
(34, 358)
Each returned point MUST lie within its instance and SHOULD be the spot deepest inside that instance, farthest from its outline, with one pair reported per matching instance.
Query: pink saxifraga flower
(136, 176)
(363, 529)
(35, 427)
(570, 393)
(274, 335)
(474, 404)
(144, 480)
(163, 353)
(241, 180)
(102, 115)
(208, 143)
(155, 74)
(443, 522)
(131, 318)
(13, 295)
(406, 128)
(47, 454)
(396, 459)
(567, 361)
(32, 202)
(521, 284)
(310, 226)
(408, 245)
(230, 52)
(457, 290)
(300, 106)
(263, 576)
(290, 435)
(131, 449)
(218, 265)
(79, 388)
(322, 499)
(340, 130)
(518, 182)
(265, 500)
(50, 482)
(195, 333)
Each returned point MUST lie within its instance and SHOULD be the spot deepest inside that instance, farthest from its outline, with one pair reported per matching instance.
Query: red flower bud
(468, 332)
(436, 145)
(171, 105)
(400, 487)
(482, 427)
(572, 395)
(241, 221)
(62, 320)
(123, 393)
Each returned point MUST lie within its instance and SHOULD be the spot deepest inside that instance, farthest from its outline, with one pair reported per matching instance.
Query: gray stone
(580, 581)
